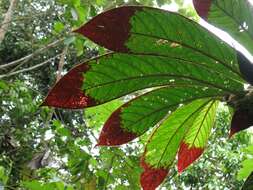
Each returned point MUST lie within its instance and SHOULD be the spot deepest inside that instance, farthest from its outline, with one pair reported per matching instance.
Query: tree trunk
(7, 20)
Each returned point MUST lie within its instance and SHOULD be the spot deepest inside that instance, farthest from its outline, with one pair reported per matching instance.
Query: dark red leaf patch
(67, 92)
(187, 155)
(202, 7)
(242, 119)
(151, 178)
(112, 134)
(110, 29)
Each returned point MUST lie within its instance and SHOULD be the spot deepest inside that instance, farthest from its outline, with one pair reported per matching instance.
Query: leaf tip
(111, 28)
(187, 155)
(112, 133)
(68, 93)
(151, 178)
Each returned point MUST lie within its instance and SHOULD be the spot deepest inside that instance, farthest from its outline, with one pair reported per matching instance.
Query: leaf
(246, 68)
(69, 40)
(151, 178)
(114, 75)
(196, 138)
(170, 55)
(97, 116)
(150, 31)
(233, 16)
(242, 119)
(117, 28)
(164, 142)
(145, 111)
(58, 26)
(3, 176)
(33, 185)
(67, 92)
(112, 134)
(246, 170)
(248, 185)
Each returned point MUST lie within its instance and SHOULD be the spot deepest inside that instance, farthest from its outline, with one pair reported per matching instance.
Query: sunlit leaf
(196, 138)
(164, 142)
(144, 112)
(233, 16)
(149, 31)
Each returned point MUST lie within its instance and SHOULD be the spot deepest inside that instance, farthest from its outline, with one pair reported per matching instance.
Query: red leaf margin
(202, 7)
(151, 178)
(187, 155)
(110, 29)
(112, 134)
(68, 93)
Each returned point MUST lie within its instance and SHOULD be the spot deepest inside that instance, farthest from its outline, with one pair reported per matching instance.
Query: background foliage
(45, 148)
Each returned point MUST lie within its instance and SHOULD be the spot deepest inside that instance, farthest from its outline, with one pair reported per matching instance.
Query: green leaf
(79, 45)
(246, 170)
(96, 116)
(248, 185)
(3, 176)
(140, 114)
(162, 147)
(233, 16)
(147, 110)
(115, 75)
(82, 12)
(153, 32)
(3, 85)
(69, 40)
(58, 27)
(33, 185)
(198, 135)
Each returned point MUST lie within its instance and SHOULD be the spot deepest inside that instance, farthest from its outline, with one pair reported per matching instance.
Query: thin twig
(30, 68)
(61, 63)
(28, 57)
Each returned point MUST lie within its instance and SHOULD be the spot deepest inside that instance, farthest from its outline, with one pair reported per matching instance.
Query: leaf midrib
(201, 125)
(188, 61)
(201, 107)
(168, 107)
(161, 75)
(192, 48)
